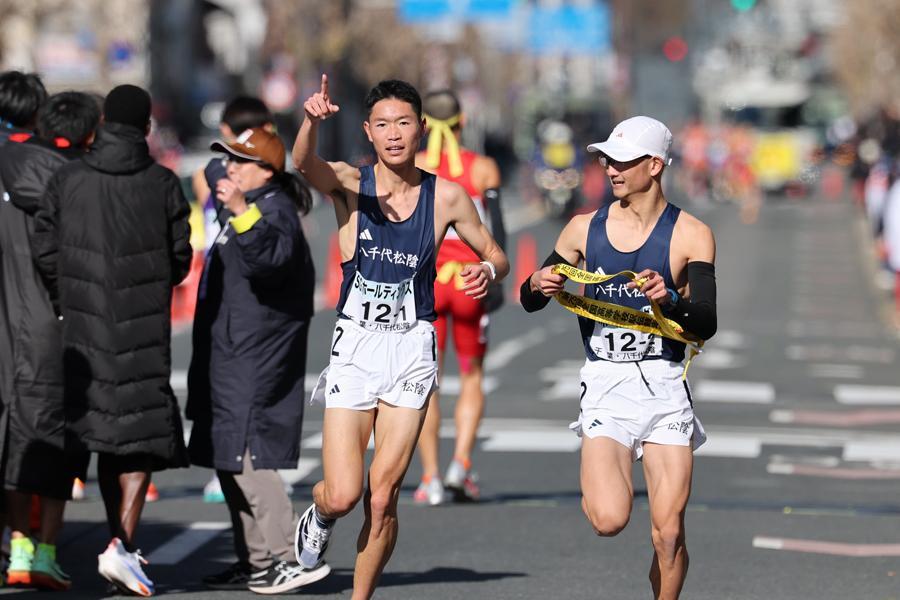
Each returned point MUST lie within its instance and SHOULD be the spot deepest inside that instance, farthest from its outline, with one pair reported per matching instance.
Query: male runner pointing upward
(391, 220)
(635, 401)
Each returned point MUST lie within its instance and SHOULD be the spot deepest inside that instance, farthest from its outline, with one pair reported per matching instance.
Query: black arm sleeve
(498, 229)
(534, 301)
(697, 315)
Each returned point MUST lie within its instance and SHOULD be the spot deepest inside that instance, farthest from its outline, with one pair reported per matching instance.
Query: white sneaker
(429, 492)
(311, 539)
(123, 569)
(462, 483)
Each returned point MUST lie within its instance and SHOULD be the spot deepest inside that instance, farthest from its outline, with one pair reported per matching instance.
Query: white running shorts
(634, 403)
(399, 368)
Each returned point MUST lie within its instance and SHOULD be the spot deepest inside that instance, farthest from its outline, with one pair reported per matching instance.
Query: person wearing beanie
(111, 241)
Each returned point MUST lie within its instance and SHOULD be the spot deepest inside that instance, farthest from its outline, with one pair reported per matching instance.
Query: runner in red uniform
(467, 318)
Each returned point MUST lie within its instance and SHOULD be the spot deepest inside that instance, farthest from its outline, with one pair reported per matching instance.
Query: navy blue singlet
(602, 257)
(391, 252)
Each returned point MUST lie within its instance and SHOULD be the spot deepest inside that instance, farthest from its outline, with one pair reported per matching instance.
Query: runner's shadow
(341, 580)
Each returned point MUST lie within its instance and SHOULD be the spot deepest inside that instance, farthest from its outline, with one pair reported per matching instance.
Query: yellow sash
(441, 133)
(623, 316)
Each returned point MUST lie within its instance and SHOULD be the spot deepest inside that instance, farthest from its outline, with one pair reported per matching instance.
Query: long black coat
(111, 240)
(31, 372)
(245, 384)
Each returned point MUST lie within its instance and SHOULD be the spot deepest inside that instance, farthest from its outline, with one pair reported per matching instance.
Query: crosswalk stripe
(734, 391)
(823, 547)
(866, 394)
(185, 543)
(528, 441)
(305, 466)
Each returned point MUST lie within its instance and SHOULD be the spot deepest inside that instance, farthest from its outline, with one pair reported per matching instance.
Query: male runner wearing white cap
(635, 402)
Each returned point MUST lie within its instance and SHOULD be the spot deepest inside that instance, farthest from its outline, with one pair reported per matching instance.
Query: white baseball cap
(634, 138)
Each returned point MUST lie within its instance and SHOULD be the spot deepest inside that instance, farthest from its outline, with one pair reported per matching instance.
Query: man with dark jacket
(34, 456)
(21, 95)
(112, 240)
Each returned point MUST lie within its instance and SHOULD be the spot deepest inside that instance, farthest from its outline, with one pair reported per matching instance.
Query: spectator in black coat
(245, 384)
(112, 240)
(33, 437)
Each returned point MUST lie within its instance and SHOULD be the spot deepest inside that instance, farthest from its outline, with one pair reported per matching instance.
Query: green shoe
(46, 572)
(21, 556)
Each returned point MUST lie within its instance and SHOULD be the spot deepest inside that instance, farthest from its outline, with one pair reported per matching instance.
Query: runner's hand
(227, 193)
(476, 278)
(547, 282)
(654, 286)
(319, 107)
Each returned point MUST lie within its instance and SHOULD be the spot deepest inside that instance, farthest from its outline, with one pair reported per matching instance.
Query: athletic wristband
(491, 268)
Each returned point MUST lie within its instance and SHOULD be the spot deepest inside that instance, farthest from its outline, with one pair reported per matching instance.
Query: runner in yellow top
(635, 403)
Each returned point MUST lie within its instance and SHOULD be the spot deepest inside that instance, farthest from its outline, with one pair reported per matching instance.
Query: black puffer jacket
(111, 240)
(31, 373)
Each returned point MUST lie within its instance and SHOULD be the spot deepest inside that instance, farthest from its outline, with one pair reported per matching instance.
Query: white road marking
(835, 371)
(829, 352)
(873, 450)
(305, 466)
(730, 446)
(823, 547)
(718, 358)
(176, 549)
(730, 339)
(867, 394)
(734, 391)
(529, 441)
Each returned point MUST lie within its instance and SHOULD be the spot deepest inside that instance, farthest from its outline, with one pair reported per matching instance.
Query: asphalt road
(796, 495)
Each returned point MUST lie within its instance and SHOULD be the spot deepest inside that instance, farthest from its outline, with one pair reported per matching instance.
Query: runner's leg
(469, 409)
(606, 487)
(345, 435)
(429, 439)
(396, 431)
(667, 470)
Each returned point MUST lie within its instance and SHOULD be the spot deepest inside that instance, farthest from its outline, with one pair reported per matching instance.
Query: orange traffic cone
(526, 263)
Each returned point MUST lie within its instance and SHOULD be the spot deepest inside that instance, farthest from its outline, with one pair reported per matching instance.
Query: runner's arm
(486, 174)
(697, 312)
(537, 290)
(333, 179)
(463, 217)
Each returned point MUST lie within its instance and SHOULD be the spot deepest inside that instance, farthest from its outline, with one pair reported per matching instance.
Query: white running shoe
(283, 577)
(429, 492)
(123, 569)
(462, 483)
(311, 539)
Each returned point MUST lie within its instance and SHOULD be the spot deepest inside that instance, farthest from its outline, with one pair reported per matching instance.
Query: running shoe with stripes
(123, 569)
(311, 538)
(462, 482)
(283, 576)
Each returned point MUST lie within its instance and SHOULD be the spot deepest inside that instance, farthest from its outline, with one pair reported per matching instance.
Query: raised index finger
(324, 88)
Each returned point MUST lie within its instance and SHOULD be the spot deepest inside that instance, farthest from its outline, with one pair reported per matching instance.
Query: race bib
(381, 306)
(617, 344)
